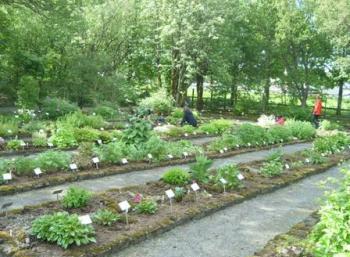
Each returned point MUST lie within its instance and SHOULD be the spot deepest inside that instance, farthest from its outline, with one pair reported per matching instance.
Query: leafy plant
(106, 112)
(39, 139)
(8, 126)
(138, 132)
(200, 169)
(277, 133)
(301, 129)
(180, 193)
(24, 166)
(63, 229)
(64, 137)
(275, 156)
(176, 176)
(329, 125)
(314, 157)
(14, 144)
(146, 206)
(79, 120)
(76, 198)
(272, 168)
(105, 217)
(331, 144)
(229, 173)
(52, 161)
(155, 146)
(86, 134)
(216, 126)
(226, 140)
(110, 153)
(158, 102)
(250, 134)
(52, 108)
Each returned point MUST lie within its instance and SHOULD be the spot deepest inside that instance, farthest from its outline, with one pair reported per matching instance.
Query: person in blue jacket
(188, 117)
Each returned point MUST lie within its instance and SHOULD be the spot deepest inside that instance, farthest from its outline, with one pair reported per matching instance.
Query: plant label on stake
(23, 144)
(37, 172)
(125, 206)
(85, 219)
(240, 176)
(186, 135)
(150, 157)
(287, 166)
(221, 151)
(170, 156)
(195, 188)
(307, 160)
(73, 166)
(185, 154)
(170, 194)
(96, 161)
(99, 142)
(225, 149)
(223, 182)
(237, 146)
(49, 144)
(7, 177)
(124, 161)
(57, 192)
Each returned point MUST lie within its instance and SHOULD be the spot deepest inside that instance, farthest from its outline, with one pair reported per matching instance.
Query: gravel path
(240, 230)
(129, 179)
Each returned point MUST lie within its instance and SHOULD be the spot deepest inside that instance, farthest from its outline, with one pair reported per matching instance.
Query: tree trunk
(266, 96)
(340, 98)
(233, 98)
(200, 81)
(175, 75)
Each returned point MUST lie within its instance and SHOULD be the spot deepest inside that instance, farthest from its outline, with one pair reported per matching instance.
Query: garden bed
(119, 236)
(25, 183)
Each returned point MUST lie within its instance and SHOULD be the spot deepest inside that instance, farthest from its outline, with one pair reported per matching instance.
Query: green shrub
(188, 129)
(64, 137)
(314, 157)
(276, 155)
(86, 134)
(158, 102)
(277, 133)
(226, 140)
(78, 120)
(33, 126)
(248, 133)
(229, 173)
(106, 112)
(146, 206)
(180, 193)
(272, 168)
(53, 161)
(105, 217)
(301, 129)
(157, 147)
(52, 108)
(176, 176)
(76, 198)
(110, 153)
(39, 139)
(8, 126)
(138, 132)
(28, 92)
(24, 166)
(200, 169)
(216, 126)
(177, 148)
(331, 144)
(106, 136)
(14, 144)
(175, 131)
(329, 125)
(63, 229)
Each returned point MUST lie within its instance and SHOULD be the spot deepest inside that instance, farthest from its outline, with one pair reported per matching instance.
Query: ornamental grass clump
(76, 198)
(200, 169)
(64, 229)
(176, 176)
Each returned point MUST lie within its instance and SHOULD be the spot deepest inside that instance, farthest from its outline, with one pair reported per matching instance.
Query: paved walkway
(132, 178)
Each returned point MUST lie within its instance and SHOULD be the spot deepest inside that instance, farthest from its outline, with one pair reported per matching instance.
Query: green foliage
(226, 140)
(301, 129)
(216, 126)
(78, 120)
(176, 176)
(8, 126)
(330, 236)
(272, 168)
(24, 166)
(14, 144)
(146, 206)
(157, 147)
(180, 193)
(106, 112)
(331, 144)
(175, 131)
(86, 134)
(63, 229)
(28, 93)
(248, 133)
(138, 132)
(110, 153)
(277, 133)
(39, 139)
(200, 169)
(329, 125)
(229, 173)
(177, 148)
(275, 156)
(158, 102)
(105, 217)
(34, 126)
(53, 161)
(314, 157)
(76, 198)
(63, 137)
(188, 129)
(53, 108)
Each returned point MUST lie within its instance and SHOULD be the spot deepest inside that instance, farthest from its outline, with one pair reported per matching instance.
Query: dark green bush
(200, 169)
(52, 161)
(176, 176)
(53, 108)
(76, 198)
(229, 173)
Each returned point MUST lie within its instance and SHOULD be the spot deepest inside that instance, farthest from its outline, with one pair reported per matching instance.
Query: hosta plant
(76, 198)
(64, 229)
(176, 176)
(272, 168)
(106, 217)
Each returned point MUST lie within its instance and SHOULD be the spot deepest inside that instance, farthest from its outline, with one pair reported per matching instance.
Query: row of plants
(252, 135)
(62, 225)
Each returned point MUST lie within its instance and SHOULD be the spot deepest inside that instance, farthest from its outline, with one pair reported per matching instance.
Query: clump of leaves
(216, 126)
(331, 144)
(76, 198)
(105, 217)
(301, 129)
(14, 144)
(146, 206)
(139, 131)
(314, 157)
(272, 168)
(200, 169)
(229, 173)
(63, 229)
(39, 138)
(63, 137)
(179, 192)
(176, 176)
(24, 166)
(52, 161)
(110, 153)
(252, 134)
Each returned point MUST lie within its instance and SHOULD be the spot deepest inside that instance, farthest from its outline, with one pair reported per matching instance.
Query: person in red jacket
(317, 111)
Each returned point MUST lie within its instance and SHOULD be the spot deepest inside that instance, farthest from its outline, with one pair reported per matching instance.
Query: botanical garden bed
(113, 238)
(25, 183)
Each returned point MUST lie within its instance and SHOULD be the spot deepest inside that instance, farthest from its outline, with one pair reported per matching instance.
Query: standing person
(188, 117)
(317, 111)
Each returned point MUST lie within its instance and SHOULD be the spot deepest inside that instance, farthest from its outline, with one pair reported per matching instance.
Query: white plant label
(186, 135)
(221, 151)
(237, 146)
(185, 154)
(124, 161)
(23, 143)
(102, 129)
(99, 142)
(249, 144)
(95, 160)
(37, 171)
(225, 149)
(307, 160)
(240, 176)
(7, 176)
(50, 144)
(170, 194)
(223, 181)
(207, 133)
(85, 219)
(149, 156)
(170, 156)
(287, 166)
(195, 187)
(194, 133)
(124, 206)
(73, 166)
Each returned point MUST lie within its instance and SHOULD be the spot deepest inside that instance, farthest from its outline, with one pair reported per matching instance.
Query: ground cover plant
(106, 217)
(76, 198)
(176, 176)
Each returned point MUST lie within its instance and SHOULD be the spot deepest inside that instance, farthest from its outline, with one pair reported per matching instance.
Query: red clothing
(280, 121)
(318, 107)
